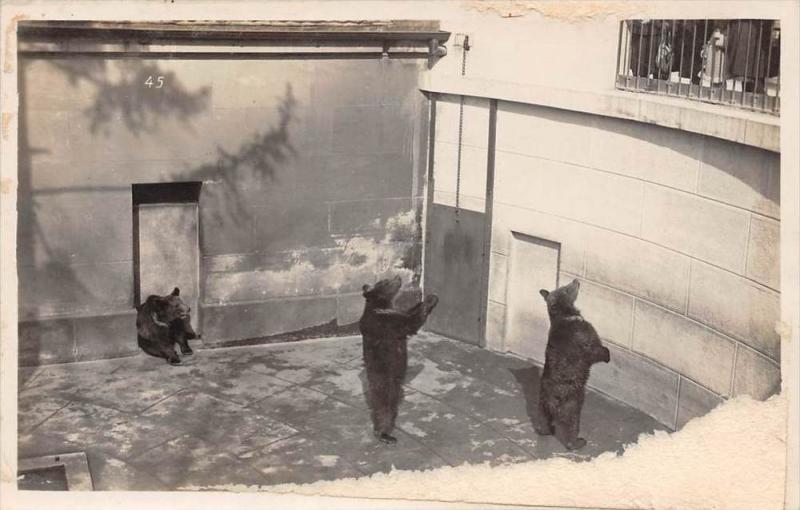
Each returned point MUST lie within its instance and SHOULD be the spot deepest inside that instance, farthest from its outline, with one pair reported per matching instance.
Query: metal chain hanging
(458, 159)
(461, 126)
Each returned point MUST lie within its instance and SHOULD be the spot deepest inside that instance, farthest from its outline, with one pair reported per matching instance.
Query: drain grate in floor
(64, 472)
(43, 479)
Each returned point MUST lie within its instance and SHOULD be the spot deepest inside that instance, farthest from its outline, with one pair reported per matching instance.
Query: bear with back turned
(573, 346)
(385, 331)
(163, 321)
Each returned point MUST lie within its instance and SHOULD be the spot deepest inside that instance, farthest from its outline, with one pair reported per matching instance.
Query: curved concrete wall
(674, 236)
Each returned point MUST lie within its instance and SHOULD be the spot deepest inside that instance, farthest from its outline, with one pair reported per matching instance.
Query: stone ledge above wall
(741, 126)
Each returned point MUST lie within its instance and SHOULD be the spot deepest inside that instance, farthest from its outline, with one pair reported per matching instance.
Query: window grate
(730, 62)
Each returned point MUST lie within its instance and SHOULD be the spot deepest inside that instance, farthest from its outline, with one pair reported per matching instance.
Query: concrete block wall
(674, 237)
(312, 175)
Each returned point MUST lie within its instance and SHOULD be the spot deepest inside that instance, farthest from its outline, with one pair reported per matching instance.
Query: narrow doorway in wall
(534, 265)
(166, 242)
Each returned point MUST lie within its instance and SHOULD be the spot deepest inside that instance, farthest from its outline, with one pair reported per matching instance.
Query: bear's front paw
(576, 444)
(187, 351)
(174, 361)
(431, 301)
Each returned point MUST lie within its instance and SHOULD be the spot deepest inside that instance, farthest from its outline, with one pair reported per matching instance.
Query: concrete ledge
(719, 121)
(240, 321)
(69, 339)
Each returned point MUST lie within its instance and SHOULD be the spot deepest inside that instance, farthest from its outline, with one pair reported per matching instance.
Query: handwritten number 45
(158, 82)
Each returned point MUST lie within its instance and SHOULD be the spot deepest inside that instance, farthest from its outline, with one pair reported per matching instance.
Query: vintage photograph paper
(400, 254)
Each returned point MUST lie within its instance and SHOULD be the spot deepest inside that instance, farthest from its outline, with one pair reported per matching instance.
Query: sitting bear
(572, 348)
(163, 321)
(384, 331)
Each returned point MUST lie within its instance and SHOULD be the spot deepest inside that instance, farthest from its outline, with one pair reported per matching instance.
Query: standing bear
(385, 331)
(163, 321)
(572, 348)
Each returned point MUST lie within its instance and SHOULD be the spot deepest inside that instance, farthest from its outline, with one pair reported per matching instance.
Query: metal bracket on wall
(435, 52)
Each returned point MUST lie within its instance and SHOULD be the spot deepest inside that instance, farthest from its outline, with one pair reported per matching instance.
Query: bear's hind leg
(148, 347)
(568, 424)
(182, 331)
(383, 419)
(171, 356)
(183, 343)
(396, 394)
(544, 421)
(380, 406)
(567, 434)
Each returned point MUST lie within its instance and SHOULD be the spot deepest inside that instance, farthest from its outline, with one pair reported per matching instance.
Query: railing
(731, 62)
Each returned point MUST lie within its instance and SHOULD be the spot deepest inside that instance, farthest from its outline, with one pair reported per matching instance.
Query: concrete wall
(312, 187)
(674, 233)
(674, 237)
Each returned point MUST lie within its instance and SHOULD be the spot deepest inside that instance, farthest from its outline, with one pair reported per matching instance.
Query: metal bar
(724, 61)
(758, 62)
(746, 60)
(488, 218)
(680, 61)
(703, 66)
(458, 160)
(776, 104)
(671, 35)
(232, 56)
(639, 57)
(650, 51)
(769, 65)
(619, 47)
(713, 68)
(627, 58)
(691, 65)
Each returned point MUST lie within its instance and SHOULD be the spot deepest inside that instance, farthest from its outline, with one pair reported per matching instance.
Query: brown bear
(163, 321)
(384, 331)
(572, 348)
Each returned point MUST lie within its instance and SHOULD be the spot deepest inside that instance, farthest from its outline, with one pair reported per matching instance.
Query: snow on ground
(732, 458)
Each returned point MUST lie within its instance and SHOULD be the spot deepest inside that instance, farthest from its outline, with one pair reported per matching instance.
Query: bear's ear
(176, 292)
(365, 290)
(544, 293)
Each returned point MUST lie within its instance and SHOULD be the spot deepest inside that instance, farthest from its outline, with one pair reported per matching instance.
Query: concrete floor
(264, 415)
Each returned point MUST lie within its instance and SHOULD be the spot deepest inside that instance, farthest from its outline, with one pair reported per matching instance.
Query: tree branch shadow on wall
(119, 96)
(128, 98)
(255, 162)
